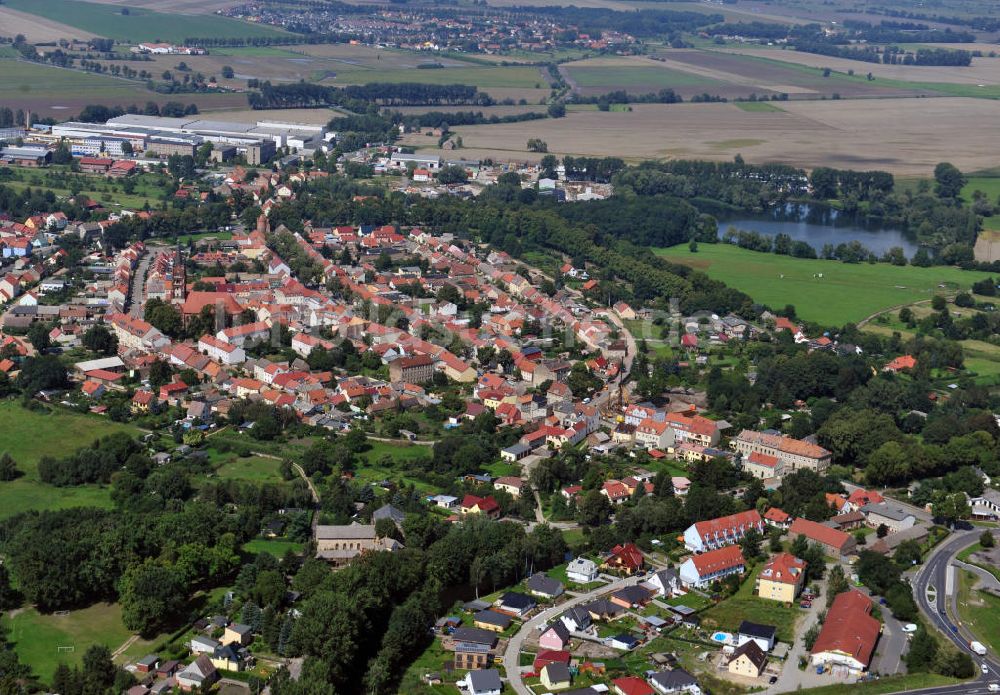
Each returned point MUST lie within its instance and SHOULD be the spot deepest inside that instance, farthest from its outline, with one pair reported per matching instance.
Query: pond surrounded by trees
(818, 226)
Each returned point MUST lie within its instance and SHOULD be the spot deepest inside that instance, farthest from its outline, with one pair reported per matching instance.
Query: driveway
(791, 678)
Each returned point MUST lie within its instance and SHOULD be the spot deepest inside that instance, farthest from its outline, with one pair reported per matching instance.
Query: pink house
(555, 637)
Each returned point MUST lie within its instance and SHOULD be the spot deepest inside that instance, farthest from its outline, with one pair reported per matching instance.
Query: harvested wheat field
(900, 135)
(173, 6)
(38, 29)
(983, 70)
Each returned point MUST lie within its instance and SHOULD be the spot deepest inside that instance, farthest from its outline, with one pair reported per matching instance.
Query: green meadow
(828, 292)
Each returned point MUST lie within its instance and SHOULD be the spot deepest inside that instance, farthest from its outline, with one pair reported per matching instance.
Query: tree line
(358, 97)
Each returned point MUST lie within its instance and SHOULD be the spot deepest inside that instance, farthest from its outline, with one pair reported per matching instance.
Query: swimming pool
(721, 637)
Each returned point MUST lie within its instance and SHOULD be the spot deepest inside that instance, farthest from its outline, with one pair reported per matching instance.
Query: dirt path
(124, 646)
(872, 317)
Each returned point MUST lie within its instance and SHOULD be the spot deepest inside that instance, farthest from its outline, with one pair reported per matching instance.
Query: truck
(978, 648)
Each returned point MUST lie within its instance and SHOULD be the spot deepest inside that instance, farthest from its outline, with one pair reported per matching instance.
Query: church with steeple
(178, 277)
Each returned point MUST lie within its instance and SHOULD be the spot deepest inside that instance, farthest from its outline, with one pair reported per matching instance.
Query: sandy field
(983, 70)
(900, 135)
(37, 29)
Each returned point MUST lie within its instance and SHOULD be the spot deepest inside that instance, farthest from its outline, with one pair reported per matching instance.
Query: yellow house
(240, 634)
(782, 578)
(555, 676)
(748, 660)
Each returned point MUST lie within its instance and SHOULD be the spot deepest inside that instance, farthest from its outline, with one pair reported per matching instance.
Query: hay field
(38, 29)
(900, 135)
(140, 24)
(983, 70)
(61, 93)
(173, 6)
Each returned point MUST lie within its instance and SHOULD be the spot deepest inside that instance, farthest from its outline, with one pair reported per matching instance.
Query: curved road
(512, 654)
(934, 573)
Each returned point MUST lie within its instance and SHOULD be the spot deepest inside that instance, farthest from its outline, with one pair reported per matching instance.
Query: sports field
(44, 640)
(28, 436)
(845, 293)
(138, 24)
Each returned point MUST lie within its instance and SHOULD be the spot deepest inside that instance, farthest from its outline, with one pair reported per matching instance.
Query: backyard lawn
(728, 614)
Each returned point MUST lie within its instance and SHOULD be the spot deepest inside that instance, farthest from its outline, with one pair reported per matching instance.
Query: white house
(715, 533)
(581, 570)
(666, 583)
(226, 353)
(483, 682)
(701, 570)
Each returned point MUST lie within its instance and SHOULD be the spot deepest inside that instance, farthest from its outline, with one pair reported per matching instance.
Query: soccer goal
(69, 648)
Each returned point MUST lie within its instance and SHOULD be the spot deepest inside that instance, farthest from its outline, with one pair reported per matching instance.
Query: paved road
(934, 573)
(137, 290)
(511, 656)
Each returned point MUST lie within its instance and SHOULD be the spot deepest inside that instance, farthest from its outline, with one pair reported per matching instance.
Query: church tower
(178, 276)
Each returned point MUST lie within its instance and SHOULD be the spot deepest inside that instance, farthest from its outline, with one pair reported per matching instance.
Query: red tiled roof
(632, 685)
(628, 555)
(728, 524)
(719, 560)
(849, 627)
(784, 568)
(818, 532)
(776, 515)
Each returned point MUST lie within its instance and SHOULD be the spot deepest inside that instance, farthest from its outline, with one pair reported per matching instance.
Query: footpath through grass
(846, 292)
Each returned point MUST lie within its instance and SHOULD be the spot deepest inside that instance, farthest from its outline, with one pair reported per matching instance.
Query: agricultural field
(845, 293)
(885, 134)
(139, 24)
(638, 75)
(61, 93)
(38, 29)
(984, 70)
(56, 433)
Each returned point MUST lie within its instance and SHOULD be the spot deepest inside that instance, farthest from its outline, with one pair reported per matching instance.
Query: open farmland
(846, 293)
(139, 24)
(177, 6)
(983, 70)
(772, 76)
(61, 93)
(890, 134)
(38, 29)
